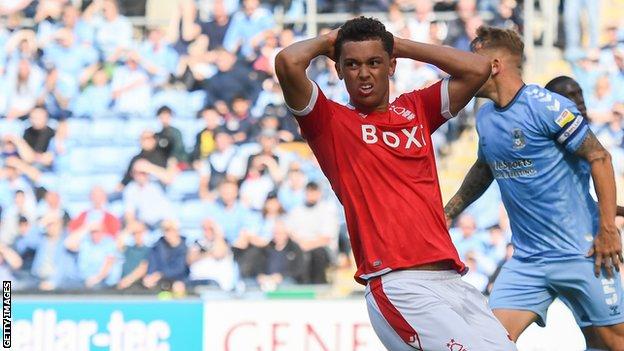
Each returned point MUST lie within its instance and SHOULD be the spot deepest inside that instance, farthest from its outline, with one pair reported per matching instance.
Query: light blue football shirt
(529, 145)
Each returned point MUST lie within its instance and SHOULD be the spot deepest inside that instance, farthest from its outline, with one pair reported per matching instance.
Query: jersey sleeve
(434, 102)
(315, 117)
(563, 122)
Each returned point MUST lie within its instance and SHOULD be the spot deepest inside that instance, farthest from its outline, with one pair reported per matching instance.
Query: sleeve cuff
(306, 110)
(445, 102)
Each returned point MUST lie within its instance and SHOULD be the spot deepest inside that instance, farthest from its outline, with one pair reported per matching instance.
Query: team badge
(519, 141)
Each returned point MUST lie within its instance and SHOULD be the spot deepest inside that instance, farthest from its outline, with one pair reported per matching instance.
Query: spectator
(25, 84)
(601, 101)
(112, 30)
(314, 227)
(611, 134)
(68, 56)
(474, 276)
(52, 207)
(215, 168)
(167, 267)
(54, 265)
(130, 86)
(230, 81)
(47, 16)
(26, 243)
(205, 140)
(470, 32)
(465, 236)
(170, 138)
(216, 29)
(248, 23)
(496, 244)
(16, 147)
(12, 7)
(145, 200)
(97, 256)
(508, 254)
(507, 16)
(96, 99)
(284, 260)
(152, 160)
(22, 206)
(10, 263)
(572, 10)
(419, 25)
(210, 258)
(249, 247)
(157, 57)
(397, 23)
(83, 32)
(39, 135)
(135, 255)
(97, 215)
(228, 212)
(291, 193)
(18, 175)
(465, 10)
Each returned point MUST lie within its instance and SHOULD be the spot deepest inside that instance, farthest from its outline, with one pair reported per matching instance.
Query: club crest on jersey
(402, 111)
(518, 139)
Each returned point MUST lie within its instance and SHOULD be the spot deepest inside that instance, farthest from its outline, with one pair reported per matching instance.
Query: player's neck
(506, 92)
(368, 109)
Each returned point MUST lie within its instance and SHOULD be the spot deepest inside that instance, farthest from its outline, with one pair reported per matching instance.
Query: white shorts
(432, 311)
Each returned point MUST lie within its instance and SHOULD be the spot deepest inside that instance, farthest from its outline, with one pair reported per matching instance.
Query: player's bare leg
(593, 340)
(612, 336)
(515, 321)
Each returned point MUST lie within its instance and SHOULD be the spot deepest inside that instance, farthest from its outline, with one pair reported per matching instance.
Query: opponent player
(568, 87)
(533, 142)
(379, 160)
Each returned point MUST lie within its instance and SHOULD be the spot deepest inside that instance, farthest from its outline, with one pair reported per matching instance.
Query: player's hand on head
(607, 251)
(331, 38)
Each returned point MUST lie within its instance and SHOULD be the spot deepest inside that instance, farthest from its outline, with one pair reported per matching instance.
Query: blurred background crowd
(146, 145)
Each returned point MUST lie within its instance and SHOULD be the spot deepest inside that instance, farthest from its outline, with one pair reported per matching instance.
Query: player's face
(366, 67)
(573, 92)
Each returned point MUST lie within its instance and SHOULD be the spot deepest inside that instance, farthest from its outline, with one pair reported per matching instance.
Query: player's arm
(291, 64)
(475, 183)
(468, 70)
(607, 244)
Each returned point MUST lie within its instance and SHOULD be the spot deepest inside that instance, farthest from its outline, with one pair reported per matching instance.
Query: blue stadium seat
(112, 159)
(78, 130)
(80, 160)
(133, 128)
(189, 129)
(105, 131)
(76, 187)
(184, 187)
(108, 181)
(50, 181)
(13, 127)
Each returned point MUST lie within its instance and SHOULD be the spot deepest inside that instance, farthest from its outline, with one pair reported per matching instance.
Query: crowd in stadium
(163, 157)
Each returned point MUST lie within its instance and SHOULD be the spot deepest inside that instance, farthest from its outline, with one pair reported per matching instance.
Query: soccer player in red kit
(379, 160)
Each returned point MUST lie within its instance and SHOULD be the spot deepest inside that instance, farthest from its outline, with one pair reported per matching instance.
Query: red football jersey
(382, 168)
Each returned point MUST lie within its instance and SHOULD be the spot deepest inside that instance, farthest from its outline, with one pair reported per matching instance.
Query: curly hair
(362, 29)
(498, 38)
